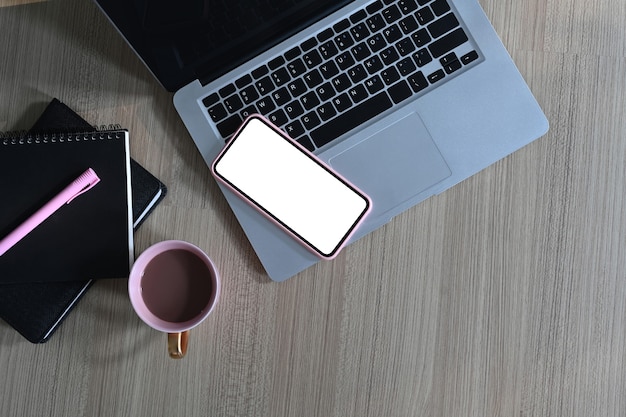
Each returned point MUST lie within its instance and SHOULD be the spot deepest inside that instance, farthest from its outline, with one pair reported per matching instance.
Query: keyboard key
(248, 111)
(392, 33)
(210, 100)
(328, 50)
(297, 88)
(390, 75)
(406, 66)
(308, 44)
(325, 91)
(293, 53)
(443, 25)
(312, 59)
(375, 23)
(217, 112)
(341, 83)
(294, 129)
(446, 59)
(373, 64)
(279, 117)
(229, 126)
(360, 51)
(422, 57)
(310, 120)
(452, 67)
(469, 57)
(344, 60)
(313, 78)
(259, 72)
(389, 55)
(440, 7)
(243, 81)
(281, 96)
(374, 7)
(280, 76)
(424, 16)
(328, 70)
(421, 38)
(417, 81)
(391, 14)
(408, 25)
(326, 111)
(265, 105)
(405, 46)
(296, 68)
(249, 94)
(407, 6)
(325, 35)
(310, 100)
(400, 92)
(306, 142)
(436, 76)
(376, 42)
(357, 93)
(294, 109)
(342, 102)
(344, 40)
(276, 62)
(264, 85)
(448, 42)
(374, 84)
(354, 117)
(341, 25)
(358, 16)
(357, 73)
(360, 31)
(227, 90)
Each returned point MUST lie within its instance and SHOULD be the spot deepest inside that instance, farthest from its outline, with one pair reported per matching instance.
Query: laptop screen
(202, 39)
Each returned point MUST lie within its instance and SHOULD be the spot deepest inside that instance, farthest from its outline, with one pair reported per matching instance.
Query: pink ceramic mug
(173, 287)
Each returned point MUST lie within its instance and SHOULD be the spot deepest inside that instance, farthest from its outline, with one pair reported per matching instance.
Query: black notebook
(36, 310)
(147, 190)
(89, 237)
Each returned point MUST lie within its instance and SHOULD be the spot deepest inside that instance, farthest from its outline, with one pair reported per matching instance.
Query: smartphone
(291, 186)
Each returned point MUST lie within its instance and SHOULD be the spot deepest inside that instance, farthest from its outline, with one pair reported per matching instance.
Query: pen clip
(85, 182)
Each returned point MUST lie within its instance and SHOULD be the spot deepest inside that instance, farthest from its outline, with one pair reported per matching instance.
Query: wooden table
(504, 296)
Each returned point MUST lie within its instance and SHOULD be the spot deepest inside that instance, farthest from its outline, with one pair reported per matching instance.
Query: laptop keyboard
(362, 66)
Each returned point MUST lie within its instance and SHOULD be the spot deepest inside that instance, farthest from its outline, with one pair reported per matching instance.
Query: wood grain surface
(503, 296)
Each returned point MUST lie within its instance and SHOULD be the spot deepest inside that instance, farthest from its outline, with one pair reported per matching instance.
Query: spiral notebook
(36, 310)
(92, 236)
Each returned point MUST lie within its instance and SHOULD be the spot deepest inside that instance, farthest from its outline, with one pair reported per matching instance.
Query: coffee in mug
(173, 287)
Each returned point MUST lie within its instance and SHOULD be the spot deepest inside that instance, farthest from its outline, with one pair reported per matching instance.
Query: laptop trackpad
(393, 165)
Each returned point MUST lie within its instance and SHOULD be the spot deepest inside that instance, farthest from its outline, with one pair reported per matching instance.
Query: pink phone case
(252, 203)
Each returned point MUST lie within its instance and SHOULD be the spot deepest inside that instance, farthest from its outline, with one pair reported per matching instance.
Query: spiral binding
(26, 138)
(108, 127)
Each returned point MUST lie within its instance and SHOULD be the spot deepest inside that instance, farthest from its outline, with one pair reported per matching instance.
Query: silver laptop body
(434, 123)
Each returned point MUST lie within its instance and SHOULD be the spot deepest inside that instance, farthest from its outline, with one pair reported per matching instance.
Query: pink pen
(80, 185)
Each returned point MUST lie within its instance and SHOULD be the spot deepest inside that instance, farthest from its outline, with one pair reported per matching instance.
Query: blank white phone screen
(291, 187)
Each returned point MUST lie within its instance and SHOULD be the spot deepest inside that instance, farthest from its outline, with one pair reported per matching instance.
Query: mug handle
(177, 344)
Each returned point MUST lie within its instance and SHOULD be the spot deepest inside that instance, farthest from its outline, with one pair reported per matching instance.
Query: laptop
(404, 98)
